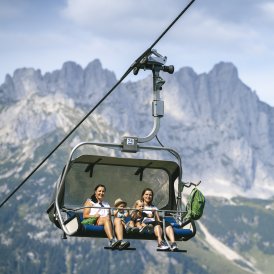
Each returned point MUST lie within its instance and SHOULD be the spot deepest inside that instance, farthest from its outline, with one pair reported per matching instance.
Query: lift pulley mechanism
(154, 61)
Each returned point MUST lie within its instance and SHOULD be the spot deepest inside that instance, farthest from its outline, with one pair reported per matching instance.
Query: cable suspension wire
(137, 61)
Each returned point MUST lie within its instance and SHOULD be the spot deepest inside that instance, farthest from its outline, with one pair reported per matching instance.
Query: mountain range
(223, 132)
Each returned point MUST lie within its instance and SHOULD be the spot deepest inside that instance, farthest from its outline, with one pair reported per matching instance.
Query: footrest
(169, 250)
(118, 249)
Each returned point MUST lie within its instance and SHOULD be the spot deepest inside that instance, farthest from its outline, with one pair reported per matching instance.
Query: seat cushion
(88, 230)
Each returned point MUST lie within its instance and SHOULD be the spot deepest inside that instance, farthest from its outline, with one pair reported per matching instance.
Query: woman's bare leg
(158, 233)
(170, 234)
(106, 222)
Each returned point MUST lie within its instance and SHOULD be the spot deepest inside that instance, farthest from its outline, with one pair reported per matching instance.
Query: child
(121, 212)
(137, 217)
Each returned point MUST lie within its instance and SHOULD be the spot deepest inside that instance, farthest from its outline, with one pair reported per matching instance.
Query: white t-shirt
(102, 211)
(148, 210)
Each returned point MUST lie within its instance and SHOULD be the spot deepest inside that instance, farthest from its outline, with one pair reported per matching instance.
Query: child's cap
(119, 201)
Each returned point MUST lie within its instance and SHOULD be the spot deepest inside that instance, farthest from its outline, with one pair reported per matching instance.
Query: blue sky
(45, 34)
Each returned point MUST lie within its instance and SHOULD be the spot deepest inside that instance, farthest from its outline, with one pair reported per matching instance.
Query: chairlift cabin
(124, 176)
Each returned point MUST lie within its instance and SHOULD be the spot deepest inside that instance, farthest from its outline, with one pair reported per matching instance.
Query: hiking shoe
(163, 246)
(174, 246)
(113, 243)
(124, 244)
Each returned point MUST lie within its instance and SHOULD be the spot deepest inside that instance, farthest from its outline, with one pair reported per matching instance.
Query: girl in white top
(101, 211)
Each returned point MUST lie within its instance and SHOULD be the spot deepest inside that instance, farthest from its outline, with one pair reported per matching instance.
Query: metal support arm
(154, 62)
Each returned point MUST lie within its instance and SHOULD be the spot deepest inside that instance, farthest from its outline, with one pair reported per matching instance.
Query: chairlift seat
(98, 230)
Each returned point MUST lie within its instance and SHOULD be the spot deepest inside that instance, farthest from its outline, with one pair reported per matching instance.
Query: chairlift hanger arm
(154, 62)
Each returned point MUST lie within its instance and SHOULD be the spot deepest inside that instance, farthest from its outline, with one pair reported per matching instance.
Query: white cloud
(89, 12)
(203, 27)
(268, 10)
(123, 19)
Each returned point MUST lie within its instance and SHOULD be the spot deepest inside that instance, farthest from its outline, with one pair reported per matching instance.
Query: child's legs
(131, 224)
(118, 226)
(140, 225)
(124, 223)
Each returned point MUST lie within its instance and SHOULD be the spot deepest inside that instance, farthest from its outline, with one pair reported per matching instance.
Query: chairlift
(124, 176)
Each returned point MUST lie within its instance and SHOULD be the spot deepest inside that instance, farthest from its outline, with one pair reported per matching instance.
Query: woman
(154, 219)
(100, 214)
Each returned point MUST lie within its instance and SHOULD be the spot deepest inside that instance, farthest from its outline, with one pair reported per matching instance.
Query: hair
(143, 192)
(137, 202)
(93, 197)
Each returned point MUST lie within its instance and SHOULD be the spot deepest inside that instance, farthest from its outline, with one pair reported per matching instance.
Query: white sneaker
(114, 243)
(124, 245)
(163, 246)
(174, 246)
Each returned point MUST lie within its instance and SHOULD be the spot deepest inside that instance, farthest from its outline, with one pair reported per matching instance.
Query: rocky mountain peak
(224, 70)
(71, 80)
(25, 81)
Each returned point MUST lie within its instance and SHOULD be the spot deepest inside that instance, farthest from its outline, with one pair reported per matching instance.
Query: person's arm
(115, 212)
(133, 215)
(156, 214)
(109, 210)
(149, 213)
(86, 211)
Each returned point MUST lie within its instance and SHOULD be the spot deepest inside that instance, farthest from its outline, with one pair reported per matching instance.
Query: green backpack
(195, 205)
